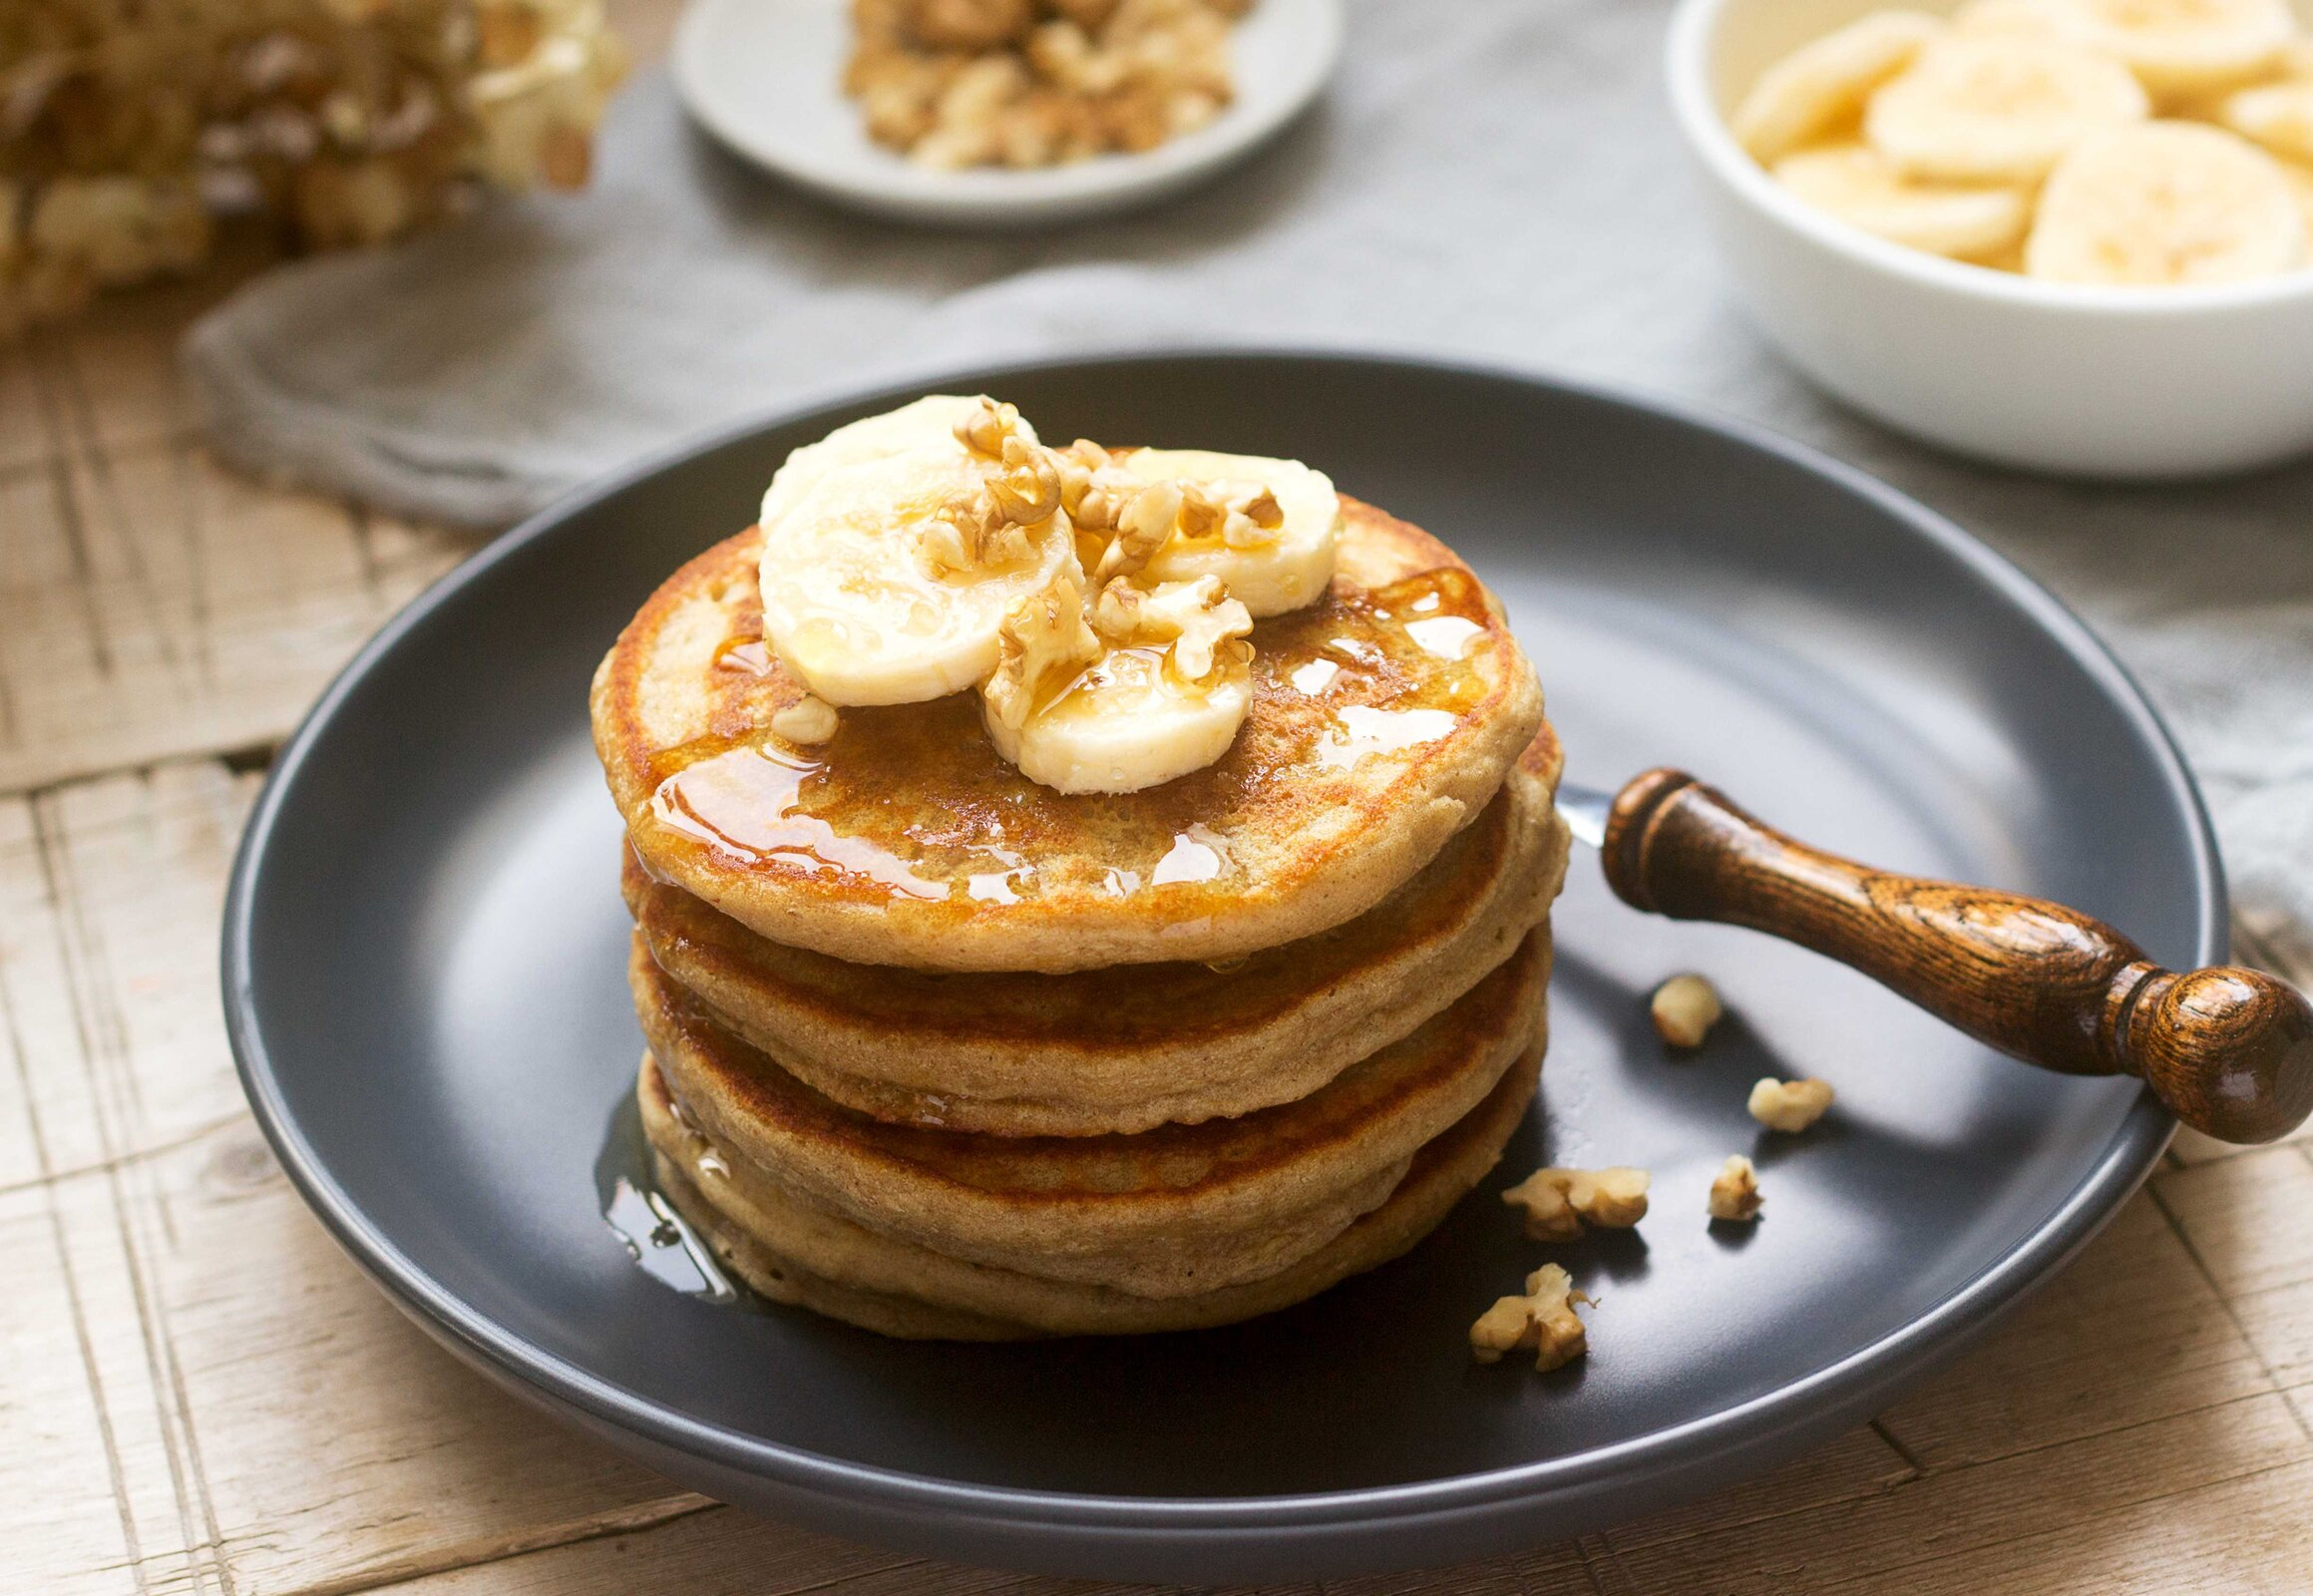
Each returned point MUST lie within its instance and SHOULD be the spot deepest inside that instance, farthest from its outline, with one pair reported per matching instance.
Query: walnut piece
(806, 721)
(987, 426)
(1035, 83)
(1790, 1105)
(1143, 522)
(1543, 1318)
(1044, 641)
(1735, 1194)
(1685, 1007)
(1558, 1202)
(1198, 618)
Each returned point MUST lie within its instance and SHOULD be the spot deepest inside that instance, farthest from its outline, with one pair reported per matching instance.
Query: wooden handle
(2229, 1050)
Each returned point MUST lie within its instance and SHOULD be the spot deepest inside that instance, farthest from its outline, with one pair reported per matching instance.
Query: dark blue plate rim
(1779, 1421)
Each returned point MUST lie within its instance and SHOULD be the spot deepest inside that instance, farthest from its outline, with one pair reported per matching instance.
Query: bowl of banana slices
(2067, 235)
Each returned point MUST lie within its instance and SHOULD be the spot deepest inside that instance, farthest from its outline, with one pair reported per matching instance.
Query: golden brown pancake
(1171, 1212)
(794, 1252)
(1384, 718)
(1126, 1050)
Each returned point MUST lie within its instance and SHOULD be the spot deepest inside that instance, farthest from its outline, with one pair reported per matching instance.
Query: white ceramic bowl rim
(1688, 57)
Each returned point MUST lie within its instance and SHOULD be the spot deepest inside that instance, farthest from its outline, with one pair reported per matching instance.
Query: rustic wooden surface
(200, 1393)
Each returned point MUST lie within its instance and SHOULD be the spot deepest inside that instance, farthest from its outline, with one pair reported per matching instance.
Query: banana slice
(927, 424)
(2167, 203)
(874, 595)
(1825, 83)
(1157, 692)
(2279, 116)
(2006, 18)
(2181, 47)
(1997, 108)
(1126, 723)
(1858, 185)
(1271, 569)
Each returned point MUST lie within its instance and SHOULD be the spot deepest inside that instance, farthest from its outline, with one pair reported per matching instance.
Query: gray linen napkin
(1494, 178)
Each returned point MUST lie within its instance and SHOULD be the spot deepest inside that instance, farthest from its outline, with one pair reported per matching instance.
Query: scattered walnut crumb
(1559, 1201)
(1790, 1105)
(1684, 1009)
(805, 722)
(1543, 1318)
(1035, 83)
(1735, 1194)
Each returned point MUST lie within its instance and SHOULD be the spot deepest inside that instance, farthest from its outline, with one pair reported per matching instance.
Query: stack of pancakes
(945, 1053)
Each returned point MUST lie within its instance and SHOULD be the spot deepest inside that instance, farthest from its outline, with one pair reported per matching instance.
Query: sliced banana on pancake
(928, 422)
(2279, 116)
(885, 580)
(1993, 109)
(2182, 47)
(1859, 185)
(1265, 527)
(2167, 203)
(1825, 83)
(1149, 684)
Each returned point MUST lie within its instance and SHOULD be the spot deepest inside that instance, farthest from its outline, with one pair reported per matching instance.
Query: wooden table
(200, 1393)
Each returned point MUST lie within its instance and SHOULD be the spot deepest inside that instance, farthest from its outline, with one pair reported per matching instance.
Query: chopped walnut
(807, 721)
(1020, 487)
(987, 426)
(1034, 83)
(1143, 523)
(1027, 487)
(1685, 1007)
(1044, 641)
(1790, 1105)
(1543, 1318)
(1735, 1194)
(1255, 516)
(1198, 618)
(1093, 488)
(968, 24)
(1559, 1201)
(970, 533)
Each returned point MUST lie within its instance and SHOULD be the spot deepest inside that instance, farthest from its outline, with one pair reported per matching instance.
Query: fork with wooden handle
(2228, 1050)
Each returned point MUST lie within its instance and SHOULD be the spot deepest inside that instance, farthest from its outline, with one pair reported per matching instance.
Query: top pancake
(1383, 717)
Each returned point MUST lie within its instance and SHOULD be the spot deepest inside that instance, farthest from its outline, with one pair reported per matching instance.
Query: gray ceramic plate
(422, 967)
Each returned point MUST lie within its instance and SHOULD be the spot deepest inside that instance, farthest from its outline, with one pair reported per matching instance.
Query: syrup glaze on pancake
(794, 1252)
(1121, 1050)
(1383, 717)
(1169, 1212)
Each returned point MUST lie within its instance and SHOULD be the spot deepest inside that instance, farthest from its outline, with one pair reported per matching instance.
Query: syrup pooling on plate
(1360, 673)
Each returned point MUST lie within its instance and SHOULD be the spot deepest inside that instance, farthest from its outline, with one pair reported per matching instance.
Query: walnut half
(1735, 1194)
(1543, 1318)
(1790, 1105)
(1559, 1201)
(1685, 1007)
(1044, 641)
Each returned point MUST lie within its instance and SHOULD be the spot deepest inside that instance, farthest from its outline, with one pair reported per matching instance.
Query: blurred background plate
(423, 977)
(766, 78)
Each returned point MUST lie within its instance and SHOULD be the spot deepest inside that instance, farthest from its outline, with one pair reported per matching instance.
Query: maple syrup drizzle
(746, 802)
(1394, 663)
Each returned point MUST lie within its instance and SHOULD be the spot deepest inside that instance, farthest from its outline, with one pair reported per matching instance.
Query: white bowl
(765, 77)
(2081, 381)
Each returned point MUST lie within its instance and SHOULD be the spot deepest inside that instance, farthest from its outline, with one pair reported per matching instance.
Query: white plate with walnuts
(1001, 113)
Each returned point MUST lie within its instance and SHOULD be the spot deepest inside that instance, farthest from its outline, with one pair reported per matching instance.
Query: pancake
(1169, 1212)
(1122, 1050)
(1384, 718)
(793, 1252)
